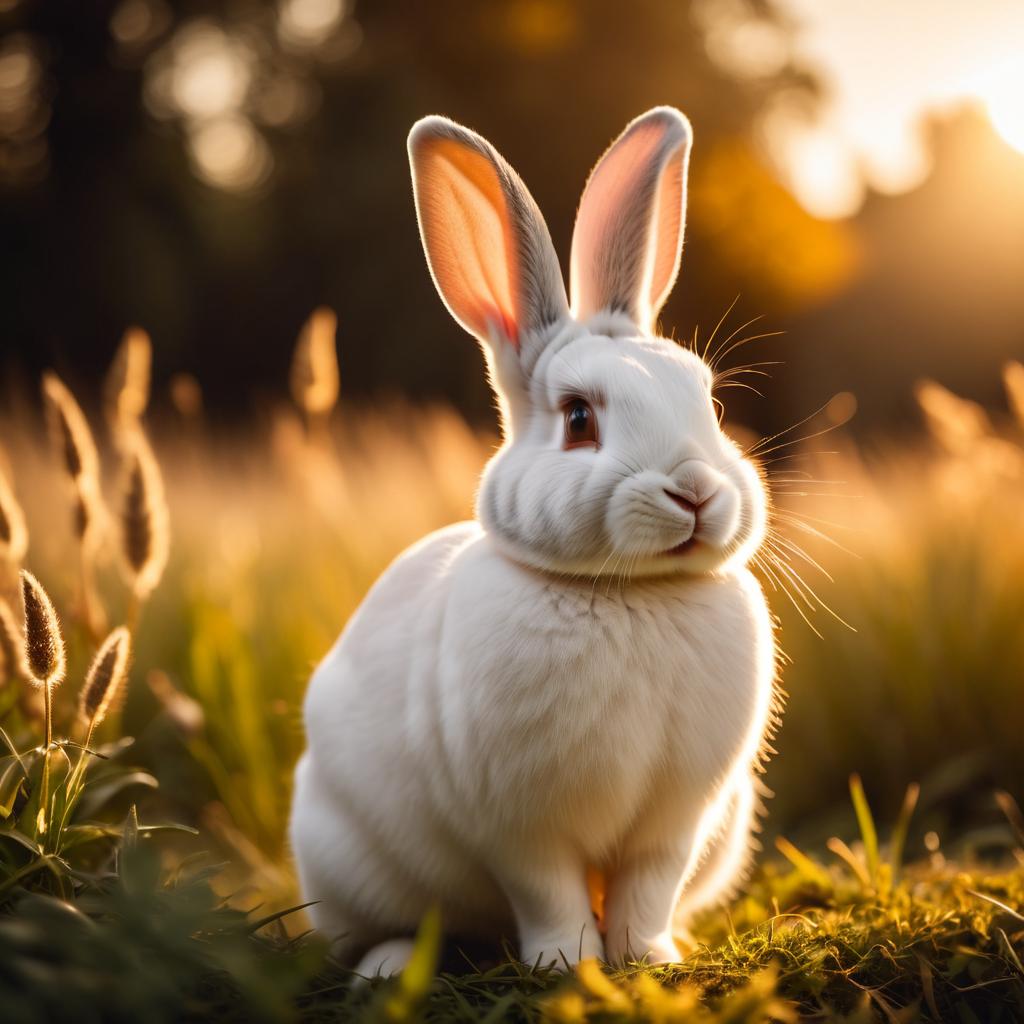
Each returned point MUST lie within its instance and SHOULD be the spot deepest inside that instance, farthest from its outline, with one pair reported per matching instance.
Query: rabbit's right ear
(487, 245)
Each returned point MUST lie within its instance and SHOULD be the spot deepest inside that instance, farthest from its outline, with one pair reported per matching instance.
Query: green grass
(274, 542)
(943, 945)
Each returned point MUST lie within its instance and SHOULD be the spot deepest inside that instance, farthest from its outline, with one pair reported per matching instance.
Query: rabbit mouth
(685, 548)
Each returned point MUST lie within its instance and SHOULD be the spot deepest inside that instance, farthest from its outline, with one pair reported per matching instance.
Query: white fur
(547, 688)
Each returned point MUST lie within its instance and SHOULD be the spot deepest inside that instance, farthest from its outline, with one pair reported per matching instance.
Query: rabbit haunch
(583, 677)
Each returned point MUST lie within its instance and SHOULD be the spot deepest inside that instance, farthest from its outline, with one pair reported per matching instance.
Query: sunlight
(309, 22)
(882, 88)
(1002, 92)
(211, 73)
(229, 153)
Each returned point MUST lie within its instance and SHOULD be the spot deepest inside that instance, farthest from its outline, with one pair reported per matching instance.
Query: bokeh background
(215, 171)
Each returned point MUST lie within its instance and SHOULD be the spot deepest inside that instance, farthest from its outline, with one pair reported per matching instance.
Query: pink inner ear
(468, 237)
(668, 229)
(628, 232)
(604, 202)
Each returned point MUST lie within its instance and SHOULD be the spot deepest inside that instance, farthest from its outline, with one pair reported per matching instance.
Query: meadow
(149, 879)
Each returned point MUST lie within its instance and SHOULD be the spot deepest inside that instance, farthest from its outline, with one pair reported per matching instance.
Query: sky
(886, 66)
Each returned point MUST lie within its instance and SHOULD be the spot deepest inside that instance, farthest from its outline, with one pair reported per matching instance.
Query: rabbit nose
(687, 502)
(693, 483)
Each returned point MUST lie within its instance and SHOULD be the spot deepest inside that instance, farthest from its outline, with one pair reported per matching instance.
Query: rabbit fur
(582, 678)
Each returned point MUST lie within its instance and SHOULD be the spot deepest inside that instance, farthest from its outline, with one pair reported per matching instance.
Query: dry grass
(277, 537)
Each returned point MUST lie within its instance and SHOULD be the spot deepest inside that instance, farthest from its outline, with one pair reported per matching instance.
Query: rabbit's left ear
(628, 238)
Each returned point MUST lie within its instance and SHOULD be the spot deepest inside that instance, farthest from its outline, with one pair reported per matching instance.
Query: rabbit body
(582, 677)
(482, 731)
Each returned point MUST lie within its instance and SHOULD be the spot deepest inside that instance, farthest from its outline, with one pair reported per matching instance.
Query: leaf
(255, 926)
(170, 826)
(102, 791)
(78, 835)
(22, 840)
(12, 784)
(803, 863)
(997, 903)
(10, 745)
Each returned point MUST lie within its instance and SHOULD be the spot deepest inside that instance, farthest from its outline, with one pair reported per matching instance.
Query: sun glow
(1002, 92)
(869, 130)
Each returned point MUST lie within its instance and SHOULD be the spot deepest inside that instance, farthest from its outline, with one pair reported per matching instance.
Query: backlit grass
(274, 538)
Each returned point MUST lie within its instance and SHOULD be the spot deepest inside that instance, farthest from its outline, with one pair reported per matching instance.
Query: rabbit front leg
(642, 895)
(547, 891)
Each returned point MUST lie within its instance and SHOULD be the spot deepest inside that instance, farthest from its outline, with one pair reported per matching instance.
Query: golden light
(285, 100)
(747, 46)
(868, 126)
(307, 23)
(24, 111)
(813, 162)
(229, 153)
(211, 73)
(135, 23)
(1002, 92)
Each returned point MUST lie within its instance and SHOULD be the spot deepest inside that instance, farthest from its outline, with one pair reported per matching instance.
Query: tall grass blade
(899, 833)
(866, 823)
(414, 982)
(802, 862)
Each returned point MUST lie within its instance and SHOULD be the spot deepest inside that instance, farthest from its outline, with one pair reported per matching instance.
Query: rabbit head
(613, 459)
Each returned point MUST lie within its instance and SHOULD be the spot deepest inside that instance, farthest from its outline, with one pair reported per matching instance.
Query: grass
(274, 538)
(858, 939)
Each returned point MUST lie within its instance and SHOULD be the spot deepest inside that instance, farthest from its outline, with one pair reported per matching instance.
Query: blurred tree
(216, 170)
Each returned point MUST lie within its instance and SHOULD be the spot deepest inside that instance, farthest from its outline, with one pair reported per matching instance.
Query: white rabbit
(583, 677)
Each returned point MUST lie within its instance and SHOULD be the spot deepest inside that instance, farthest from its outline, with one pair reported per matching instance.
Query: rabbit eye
(580, 424)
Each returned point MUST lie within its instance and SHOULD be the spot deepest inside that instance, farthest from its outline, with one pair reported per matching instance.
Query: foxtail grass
(145, 530)
(314, 373)
(101, 692)
(45, 664)
(13, 531)
(70, 429)
(75, 444)
(104, 681)
(11, 647)
(126, 390)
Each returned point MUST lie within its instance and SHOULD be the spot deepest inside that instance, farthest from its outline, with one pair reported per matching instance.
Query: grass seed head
(144, 518)
(70, 429)
(1013, 378)
(104, 682)
(11, 646)
(43, 643)
(126, 390)
(88, 516)
(13, 532)
(314, 376)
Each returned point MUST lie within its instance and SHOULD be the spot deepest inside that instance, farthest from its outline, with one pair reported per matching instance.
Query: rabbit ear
(487, 245)
(629, 229)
